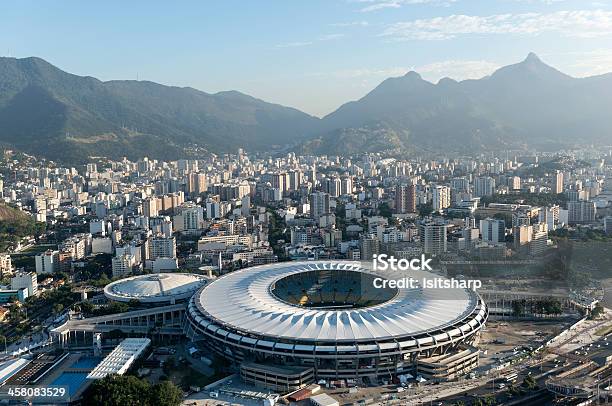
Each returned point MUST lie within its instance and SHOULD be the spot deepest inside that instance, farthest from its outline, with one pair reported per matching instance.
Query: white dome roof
(151, 288)
(244, 300)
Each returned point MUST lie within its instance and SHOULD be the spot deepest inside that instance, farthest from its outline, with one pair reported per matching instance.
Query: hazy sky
(312, 54)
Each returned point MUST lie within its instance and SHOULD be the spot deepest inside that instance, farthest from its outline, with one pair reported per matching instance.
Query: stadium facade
(325, 316)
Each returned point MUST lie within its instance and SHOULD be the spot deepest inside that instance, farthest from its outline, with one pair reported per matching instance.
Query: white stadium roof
(243, 300)
(155, 288)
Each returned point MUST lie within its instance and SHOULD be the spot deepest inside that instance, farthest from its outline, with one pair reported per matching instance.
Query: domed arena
(328, 316)
(155, 289)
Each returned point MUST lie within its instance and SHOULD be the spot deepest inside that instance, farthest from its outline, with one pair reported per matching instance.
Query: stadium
(324, 320)
(155, 289)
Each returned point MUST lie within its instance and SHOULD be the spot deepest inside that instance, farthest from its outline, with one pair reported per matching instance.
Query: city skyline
(236, 260)
(335, 52)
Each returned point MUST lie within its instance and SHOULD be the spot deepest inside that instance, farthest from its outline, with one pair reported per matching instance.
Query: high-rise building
(581, 212)
(25, 280)
(64, 261)
(332, 186)
(190, 217)
(47, 262)
(280, 181)
(470, 237)
(6, 265)
(319, 204)
(97, 227)
(608, 225)
(539, 239)
(520, 218)
(433, 237)
(245, 207)
(558, 186)
(369, 246)
(346, 187)
(171, 200)
(213, 209)
(78, 245)
(196, 183)
(460, 185)
(122, 265)
(522, 235)
(493, 230)
(575, 195)
(150, 207)
(405, 199)
(295, 179)
(313, 176)
(441, 198)
(163, 225)
(550, 216)
(162, 247)
(484, 186)
(514, 182)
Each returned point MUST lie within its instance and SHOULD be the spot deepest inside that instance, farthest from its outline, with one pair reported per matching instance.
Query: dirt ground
(503, 336)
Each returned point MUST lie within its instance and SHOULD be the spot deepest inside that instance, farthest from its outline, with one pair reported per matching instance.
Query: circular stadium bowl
(328, 315)
(155, 289)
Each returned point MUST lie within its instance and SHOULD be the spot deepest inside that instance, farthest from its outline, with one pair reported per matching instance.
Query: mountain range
(49, 112)
(44, 110)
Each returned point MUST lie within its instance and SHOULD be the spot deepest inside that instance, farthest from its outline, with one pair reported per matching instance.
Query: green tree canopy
(166, 394)
(127, 390)
(115, 390)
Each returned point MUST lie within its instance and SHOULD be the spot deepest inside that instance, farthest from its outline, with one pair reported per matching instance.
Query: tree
(534, 199)
(102, 281)
(61, 276)
(127, 390)
(490, 400)
(425, 210)
(112, 308)
(166, 394)
(115, 390)
(597, 311)
(513, 390)
(385, 211)
(15, 225)
(57, 308)
(529, 382)
(133, 303)
(15, 314)
(86, 307)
